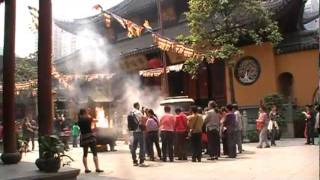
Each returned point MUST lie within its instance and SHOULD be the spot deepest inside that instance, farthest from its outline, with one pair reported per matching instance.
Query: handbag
(270, 125)
(87, 140)
(259, 125)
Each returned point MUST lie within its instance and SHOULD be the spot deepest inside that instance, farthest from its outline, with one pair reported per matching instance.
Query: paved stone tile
(289, 160)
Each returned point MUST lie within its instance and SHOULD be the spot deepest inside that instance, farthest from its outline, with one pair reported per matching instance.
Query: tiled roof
(298, 41)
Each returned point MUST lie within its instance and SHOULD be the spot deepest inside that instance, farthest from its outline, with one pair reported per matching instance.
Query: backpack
(133, 123)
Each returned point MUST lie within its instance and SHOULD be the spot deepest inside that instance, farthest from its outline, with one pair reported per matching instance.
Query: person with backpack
(152, 126)
(136, 128)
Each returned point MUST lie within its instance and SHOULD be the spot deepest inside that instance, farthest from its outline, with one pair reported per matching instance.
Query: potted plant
(51, 153)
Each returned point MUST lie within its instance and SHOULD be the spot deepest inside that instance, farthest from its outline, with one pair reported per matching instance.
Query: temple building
(290, 68)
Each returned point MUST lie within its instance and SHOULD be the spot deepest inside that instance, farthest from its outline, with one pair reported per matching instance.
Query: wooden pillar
(45, 107)
(10, 154)
(165, 84)
(231, 84)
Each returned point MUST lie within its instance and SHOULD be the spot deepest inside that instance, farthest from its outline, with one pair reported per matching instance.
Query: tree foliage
(219, 26)
(26, 68)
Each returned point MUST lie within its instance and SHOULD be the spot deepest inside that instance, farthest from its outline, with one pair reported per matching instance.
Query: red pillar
(44, 68)
(10, 154)
(165, 84)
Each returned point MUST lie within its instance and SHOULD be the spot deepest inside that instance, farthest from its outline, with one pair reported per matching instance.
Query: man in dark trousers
(212, 124)
(229, 126)
(138, 137)
(309, 124)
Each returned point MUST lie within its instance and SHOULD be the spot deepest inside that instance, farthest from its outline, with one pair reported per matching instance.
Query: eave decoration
(162, 42)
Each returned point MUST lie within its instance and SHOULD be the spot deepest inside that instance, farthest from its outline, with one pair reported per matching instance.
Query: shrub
(252, 135)
(279, 102)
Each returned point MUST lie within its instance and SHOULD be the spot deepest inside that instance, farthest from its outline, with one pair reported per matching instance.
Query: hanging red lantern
(154, 63)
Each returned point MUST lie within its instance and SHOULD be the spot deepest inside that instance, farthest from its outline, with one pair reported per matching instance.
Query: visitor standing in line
(223, 133)
(167, 134)
(229, 126)
(138, 136)
(195, 129)
(152, 125)
(212, 125)
(239, 126)
(181, 128)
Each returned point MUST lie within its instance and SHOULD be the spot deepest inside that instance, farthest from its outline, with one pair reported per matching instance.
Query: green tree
(218, 27)
(26, 68)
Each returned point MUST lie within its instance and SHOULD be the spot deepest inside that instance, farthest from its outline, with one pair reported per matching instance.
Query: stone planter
(48, 165)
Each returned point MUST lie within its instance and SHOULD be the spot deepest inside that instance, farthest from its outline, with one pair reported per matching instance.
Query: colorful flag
(98, 7)
(147, 25)
(134, 30)
(107, 18)
(120, 20)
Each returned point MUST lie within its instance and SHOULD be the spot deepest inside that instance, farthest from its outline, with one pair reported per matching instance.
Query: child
(75, 134)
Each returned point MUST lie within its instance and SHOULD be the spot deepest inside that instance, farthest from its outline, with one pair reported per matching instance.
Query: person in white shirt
(138, 137)
(239, 126)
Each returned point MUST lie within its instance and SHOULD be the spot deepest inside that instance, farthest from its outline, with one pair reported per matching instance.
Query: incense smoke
(95, 56)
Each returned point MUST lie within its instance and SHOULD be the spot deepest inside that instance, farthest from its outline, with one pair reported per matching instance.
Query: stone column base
(11, 158)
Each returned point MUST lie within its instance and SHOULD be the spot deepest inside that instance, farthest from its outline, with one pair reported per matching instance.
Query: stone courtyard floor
(289, 160)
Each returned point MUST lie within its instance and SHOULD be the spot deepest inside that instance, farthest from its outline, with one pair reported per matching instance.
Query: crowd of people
(199, 131)
(193, 130)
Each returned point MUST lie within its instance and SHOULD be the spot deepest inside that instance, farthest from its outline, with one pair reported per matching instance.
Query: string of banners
(23, 85)
(162, 42)
(65, 80)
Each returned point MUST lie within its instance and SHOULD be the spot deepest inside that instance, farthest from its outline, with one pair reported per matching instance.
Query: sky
(61, 9)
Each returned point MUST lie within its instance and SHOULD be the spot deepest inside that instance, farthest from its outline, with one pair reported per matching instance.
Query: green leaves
(51, 146)
(26, 69)
(217, 26)
(191, 67)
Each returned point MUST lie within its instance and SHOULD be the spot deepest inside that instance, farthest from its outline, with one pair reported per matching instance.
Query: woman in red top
(180, 128)
(262, 126)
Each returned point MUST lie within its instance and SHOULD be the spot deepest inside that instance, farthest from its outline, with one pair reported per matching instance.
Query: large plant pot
(48, 165)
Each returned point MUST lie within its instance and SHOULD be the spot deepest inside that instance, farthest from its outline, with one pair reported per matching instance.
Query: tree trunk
(231, 85)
